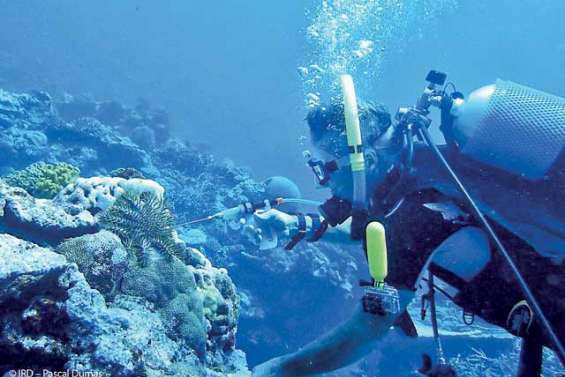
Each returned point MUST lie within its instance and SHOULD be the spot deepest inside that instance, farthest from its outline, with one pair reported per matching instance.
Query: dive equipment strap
(520, 319)
(301, 232)
(316, 222)
(319, 232)
(468, 317)
(319, 227)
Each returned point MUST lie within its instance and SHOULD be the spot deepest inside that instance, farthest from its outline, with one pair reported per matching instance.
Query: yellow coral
(43, 180)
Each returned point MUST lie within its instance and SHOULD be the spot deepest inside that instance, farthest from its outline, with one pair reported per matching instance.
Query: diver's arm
(340, 233)
(349, 342)
(287, 225)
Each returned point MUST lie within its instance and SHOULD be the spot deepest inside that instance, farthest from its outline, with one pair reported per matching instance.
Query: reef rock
(96, 194)
(31, 130)
(71, 213)
(89, 133)
(52, 319)
(24, 109)
(39, 219)
(22, 147)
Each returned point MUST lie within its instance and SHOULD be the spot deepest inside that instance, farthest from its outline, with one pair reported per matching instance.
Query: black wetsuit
(415, 230)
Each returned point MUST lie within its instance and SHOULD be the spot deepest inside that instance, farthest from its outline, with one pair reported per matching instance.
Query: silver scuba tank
(512, 127)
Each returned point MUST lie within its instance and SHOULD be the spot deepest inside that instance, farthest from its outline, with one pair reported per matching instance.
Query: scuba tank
(511, 127)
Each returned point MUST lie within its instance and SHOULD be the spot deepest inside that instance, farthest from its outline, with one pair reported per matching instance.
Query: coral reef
(73, 212)
(127, 173)
(39, 219)
(24, 109)
(43, 180)
(193, 301)
(98, 143)
(102, 259)
(52, 319)
(32, 130)
(200, 184)
(142, 221)
(152, 124)
(89, 196)
(94, 307)
(197, 303)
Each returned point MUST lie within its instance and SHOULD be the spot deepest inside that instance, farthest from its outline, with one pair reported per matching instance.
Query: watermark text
(51, 373)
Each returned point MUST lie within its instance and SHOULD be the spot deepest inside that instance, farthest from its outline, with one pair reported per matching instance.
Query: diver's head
(329, 138)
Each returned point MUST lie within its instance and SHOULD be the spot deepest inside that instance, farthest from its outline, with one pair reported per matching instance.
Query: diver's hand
(270, 368)
(277, 220)
(265, 222)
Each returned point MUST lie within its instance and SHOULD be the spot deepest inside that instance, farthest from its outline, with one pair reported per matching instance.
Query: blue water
(237, 78)
(229, 69)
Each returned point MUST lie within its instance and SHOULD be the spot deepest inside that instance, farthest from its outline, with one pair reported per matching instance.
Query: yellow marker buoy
(377, 252)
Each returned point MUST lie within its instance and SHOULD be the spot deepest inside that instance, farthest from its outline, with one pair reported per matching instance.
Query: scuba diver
(484, 213)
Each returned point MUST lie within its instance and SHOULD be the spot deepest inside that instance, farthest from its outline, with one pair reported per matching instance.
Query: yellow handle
(377, 252)
(352, 123)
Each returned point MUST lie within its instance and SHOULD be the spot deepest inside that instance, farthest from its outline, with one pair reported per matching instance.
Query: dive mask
(323, 169)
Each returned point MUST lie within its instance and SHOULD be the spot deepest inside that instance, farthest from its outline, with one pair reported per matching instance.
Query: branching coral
(43, 180)
(142, 221)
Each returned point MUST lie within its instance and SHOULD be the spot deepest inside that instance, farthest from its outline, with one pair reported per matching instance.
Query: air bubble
(302, 71)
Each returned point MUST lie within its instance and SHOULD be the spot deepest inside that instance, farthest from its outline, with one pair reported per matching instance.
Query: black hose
(485, 224)
(410, 157)
(433, 310)
(531, 357)
(440, 290)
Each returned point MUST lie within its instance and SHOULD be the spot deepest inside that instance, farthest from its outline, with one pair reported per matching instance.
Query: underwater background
(189, 106)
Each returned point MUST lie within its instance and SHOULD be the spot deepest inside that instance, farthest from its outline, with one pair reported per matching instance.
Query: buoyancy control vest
(529, 217)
